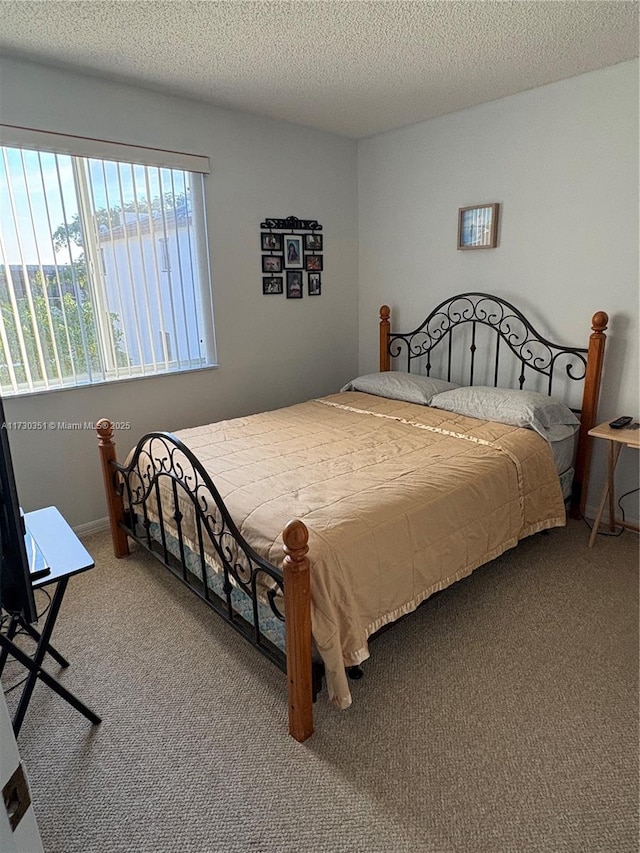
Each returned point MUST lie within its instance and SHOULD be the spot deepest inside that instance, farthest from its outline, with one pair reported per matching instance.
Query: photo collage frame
(292, 251)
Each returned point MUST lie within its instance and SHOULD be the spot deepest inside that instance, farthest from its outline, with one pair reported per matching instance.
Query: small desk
(617, 439)
(66, 556)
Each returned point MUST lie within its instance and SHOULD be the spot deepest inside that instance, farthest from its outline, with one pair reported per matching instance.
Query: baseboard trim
(92, 527)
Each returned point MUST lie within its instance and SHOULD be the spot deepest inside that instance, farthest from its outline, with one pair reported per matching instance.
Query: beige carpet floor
(502, 717)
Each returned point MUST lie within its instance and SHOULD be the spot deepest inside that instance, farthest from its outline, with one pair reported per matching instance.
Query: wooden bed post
(385, 331)
(590, 395)
(115, 504)
(297, 612)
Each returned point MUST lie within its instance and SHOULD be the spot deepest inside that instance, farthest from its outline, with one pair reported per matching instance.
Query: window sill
(101, 383)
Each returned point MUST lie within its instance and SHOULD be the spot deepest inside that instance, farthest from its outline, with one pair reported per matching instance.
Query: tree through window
(103, 271)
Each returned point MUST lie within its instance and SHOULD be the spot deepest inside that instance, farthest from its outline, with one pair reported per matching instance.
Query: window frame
(201, 306)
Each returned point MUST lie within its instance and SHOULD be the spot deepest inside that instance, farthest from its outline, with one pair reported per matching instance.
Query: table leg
(23, 658)
(34, 634)
(608, 491)
(614, 452)
(41, 650)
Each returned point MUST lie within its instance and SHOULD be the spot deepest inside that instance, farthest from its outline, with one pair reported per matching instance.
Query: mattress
(563, 453)
(400, 501)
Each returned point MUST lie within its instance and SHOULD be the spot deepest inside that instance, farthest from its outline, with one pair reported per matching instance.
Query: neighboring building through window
(103, 271)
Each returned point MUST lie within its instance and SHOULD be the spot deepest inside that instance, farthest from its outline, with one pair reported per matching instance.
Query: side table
(66, 556)
(617, 439)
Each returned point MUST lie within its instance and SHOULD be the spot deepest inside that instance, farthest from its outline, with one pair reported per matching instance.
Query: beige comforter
(400, 501)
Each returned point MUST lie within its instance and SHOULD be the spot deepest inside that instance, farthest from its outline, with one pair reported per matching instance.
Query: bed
(378, 496)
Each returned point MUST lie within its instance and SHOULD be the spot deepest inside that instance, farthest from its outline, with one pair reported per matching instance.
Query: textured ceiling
(354, 68)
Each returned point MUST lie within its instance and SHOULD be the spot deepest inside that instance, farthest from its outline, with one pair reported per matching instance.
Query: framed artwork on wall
(314, 284)
(270, 242)
(313, 242)
(272, 263)
(293, 251)
(294, 284)
(478, 226)
(313, 262)
(272, 284)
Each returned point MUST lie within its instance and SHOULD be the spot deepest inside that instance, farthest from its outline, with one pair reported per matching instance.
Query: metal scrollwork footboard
(164, 499)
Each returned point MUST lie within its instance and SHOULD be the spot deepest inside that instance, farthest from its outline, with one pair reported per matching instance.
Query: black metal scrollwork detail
(292, 223)
(162, 458)
(532, 349)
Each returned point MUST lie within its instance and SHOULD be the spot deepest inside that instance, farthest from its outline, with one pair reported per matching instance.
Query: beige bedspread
(400, 501)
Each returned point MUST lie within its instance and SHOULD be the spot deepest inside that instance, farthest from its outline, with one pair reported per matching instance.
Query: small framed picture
(313, 262)
(294, 284)
(272, 263)
(313, 242)
(478, 226)
(272, 284)
(270, 242)
(293, 251)
(314, 284)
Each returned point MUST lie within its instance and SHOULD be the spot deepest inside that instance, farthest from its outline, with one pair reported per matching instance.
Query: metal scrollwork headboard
(535, 356)
(512, 330)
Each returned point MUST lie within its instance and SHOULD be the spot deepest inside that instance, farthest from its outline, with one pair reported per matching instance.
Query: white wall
(272, 351)
(562, 161)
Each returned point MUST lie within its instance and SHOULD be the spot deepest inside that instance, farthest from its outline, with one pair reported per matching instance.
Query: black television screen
(16, 591)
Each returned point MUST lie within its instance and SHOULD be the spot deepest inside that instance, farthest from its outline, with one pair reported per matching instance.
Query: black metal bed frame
(135, 490)
(161, 456)
(529, 347)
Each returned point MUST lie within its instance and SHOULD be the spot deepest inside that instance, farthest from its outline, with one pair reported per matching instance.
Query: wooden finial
(297, 616)
(599, 321)
(385, 331)
(295, 537)
(589, 412)
(104, 428)
(115, 504)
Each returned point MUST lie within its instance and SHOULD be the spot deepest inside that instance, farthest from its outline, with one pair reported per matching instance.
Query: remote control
(620, 422)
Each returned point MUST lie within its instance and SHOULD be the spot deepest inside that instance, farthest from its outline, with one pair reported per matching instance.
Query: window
(103, 270)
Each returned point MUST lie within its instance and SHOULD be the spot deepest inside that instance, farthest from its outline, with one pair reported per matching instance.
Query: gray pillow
(410, 387)
(546, 415)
